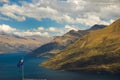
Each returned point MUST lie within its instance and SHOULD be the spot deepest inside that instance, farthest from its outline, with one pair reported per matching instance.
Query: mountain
(57, 44)
(99, 51)
(13, 43)
(96, 27)
(61, 42)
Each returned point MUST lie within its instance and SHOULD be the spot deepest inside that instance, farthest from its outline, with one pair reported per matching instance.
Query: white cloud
(12, 11)
(6, 1)
(41, 28)
(41, 31)
(27, 33)
(68, 27)
(89, 20)
(6, 28)
(69, 11)
(110, 12)
(11, 15)
(52, 29)
(45, 34)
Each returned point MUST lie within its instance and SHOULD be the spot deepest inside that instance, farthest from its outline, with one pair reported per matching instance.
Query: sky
(55, 17)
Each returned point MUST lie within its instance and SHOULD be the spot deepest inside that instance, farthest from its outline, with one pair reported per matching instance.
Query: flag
(20, 63)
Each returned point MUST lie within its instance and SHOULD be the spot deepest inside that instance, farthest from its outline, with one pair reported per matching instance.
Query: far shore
(12, 52)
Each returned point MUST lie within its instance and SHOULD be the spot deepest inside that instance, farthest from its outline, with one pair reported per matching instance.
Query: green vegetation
(98, 51)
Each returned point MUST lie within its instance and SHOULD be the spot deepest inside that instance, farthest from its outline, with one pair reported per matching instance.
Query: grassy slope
(61, 42)
(97, 51)
(58, 44)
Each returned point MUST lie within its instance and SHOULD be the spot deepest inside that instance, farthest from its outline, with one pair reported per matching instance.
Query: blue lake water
(10, 71)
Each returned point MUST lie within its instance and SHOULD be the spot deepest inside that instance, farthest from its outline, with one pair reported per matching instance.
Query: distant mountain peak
(97, 26)
(72, 31)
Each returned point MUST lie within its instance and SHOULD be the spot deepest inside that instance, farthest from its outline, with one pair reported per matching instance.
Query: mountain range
(14, 43)
(97, 51)
(61, 42)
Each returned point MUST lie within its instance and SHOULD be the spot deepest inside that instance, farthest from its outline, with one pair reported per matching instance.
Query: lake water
(10, 71)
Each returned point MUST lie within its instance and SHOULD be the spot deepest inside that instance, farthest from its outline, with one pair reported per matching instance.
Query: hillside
(98, 51)
(57, 44)
(61, 42)
(13, 43)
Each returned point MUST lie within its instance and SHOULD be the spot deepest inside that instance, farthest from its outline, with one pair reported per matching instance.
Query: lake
(10, 71)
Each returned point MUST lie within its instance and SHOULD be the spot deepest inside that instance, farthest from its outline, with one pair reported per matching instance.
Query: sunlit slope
(61, 42)
(58, 43)
(97, 51)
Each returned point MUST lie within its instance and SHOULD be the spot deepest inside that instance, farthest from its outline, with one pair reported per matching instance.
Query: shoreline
(13, 52)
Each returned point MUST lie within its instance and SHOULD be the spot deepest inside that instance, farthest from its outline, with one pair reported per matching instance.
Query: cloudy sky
(55, 17)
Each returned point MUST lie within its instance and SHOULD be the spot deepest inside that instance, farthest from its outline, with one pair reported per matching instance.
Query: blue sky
(55, 17)
(30, 23)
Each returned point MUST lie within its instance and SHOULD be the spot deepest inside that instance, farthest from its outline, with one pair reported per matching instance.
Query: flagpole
(22, 72)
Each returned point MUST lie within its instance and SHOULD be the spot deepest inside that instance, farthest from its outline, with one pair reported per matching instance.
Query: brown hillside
(97, 51)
